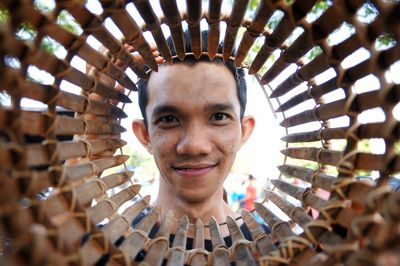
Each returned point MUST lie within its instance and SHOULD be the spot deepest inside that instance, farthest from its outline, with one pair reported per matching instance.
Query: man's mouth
(194, 170)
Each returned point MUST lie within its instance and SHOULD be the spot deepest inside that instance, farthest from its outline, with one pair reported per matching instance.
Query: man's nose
(194, 141)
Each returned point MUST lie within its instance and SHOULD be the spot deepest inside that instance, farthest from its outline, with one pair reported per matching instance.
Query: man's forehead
(181, 72)
(198, 83)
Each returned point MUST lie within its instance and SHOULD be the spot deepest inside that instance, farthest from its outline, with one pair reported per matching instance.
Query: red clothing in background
(251, 196)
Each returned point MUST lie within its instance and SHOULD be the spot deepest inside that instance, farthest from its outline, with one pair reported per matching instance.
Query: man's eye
(219, 116)
(168, 119)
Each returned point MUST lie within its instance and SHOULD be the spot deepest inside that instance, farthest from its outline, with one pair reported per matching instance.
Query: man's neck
(213, 206)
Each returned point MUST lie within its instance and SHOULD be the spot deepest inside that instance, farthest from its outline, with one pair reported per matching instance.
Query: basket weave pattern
(50, 231)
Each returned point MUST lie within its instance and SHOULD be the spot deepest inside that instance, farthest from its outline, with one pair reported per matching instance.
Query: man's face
(194, 129)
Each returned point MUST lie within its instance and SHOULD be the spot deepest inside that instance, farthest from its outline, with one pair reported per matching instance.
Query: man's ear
(142, 134)
(248, 123)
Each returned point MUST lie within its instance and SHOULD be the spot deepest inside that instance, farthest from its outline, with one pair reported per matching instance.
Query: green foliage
(141, 162)
(138, 159)
(253, 4)
(314, 52)
(275, 19)
(67, 21)
(318, 9)
(49, 46)
(4, 15)
(385, 41)
(364, 146)
(25, 32)
(44, 6)
(397, 147)
(367, 13)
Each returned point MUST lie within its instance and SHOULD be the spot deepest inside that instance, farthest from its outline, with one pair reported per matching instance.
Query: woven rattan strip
(61, 205)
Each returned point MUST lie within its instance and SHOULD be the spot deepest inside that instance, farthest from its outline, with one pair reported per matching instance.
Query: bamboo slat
(303, 43)
(360, 103)
(296, 213)
(58, 68)
(357, 224)
(74, 44)
(173, 20)
(299, 47)
(38, 153)
(323, 134)
(314, 228)
(330, 157)
(120, 224)
(198, 244)
(93, 24)
(387, 57)
(300, 9)
(193, 20)
(304, 195)
(347, 47)
(153, 23)
(312, 69)
(156, 251)
(263, 243)
(256, 28)
(35, 123)
(77, 172)
(313, 177)
(132, 32)
(94, 189)
(134, 243)
(365, 131)
(280, 229)
(95, 249)
(271, 43)
(330, 20)
(315, 91)
(105, 208)
(235, 19)
(46, 94)
(220, 255)
(214, 10)
(69, 230)
(350, 75)
(358, 71)
(241, 250)
(364, 161)
(177, 256)
(30, 183)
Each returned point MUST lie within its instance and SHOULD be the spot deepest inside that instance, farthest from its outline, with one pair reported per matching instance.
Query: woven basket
(357, 225)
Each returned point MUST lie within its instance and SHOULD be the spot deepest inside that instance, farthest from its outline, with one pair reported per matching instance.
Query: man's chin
(193, 197)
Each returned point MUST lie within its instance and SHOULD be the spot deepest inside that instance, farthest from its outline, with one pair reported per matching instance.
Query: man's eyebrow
(218, 107)
(161, 109)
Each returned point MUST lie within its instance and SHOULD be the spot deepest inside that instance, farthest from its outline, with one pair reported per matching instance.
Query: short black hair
(238, 73)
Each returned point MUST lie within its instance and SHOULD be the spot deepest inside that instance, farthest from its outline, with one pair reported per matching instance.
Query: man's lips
(194, 170)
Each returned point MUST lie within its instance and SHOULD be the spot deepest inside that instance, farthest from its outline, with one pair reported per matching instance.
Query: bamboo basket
(357, 225)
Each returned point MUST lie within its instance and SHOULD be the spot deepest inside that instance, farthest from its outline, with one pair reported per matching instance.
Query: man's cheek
(229, 145)
(162, 149)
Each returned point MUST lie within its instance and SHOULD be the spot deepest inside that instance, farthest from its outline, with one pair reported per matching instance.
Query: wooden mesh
(358, 223)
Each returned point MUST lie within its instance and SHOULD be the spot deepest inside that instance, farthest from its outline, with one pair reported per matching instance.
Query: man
(194, 124)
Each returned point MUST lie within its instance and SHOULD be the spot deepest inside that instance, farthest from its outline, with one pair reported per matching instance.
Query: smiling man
(194, 124)
(194, 127)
